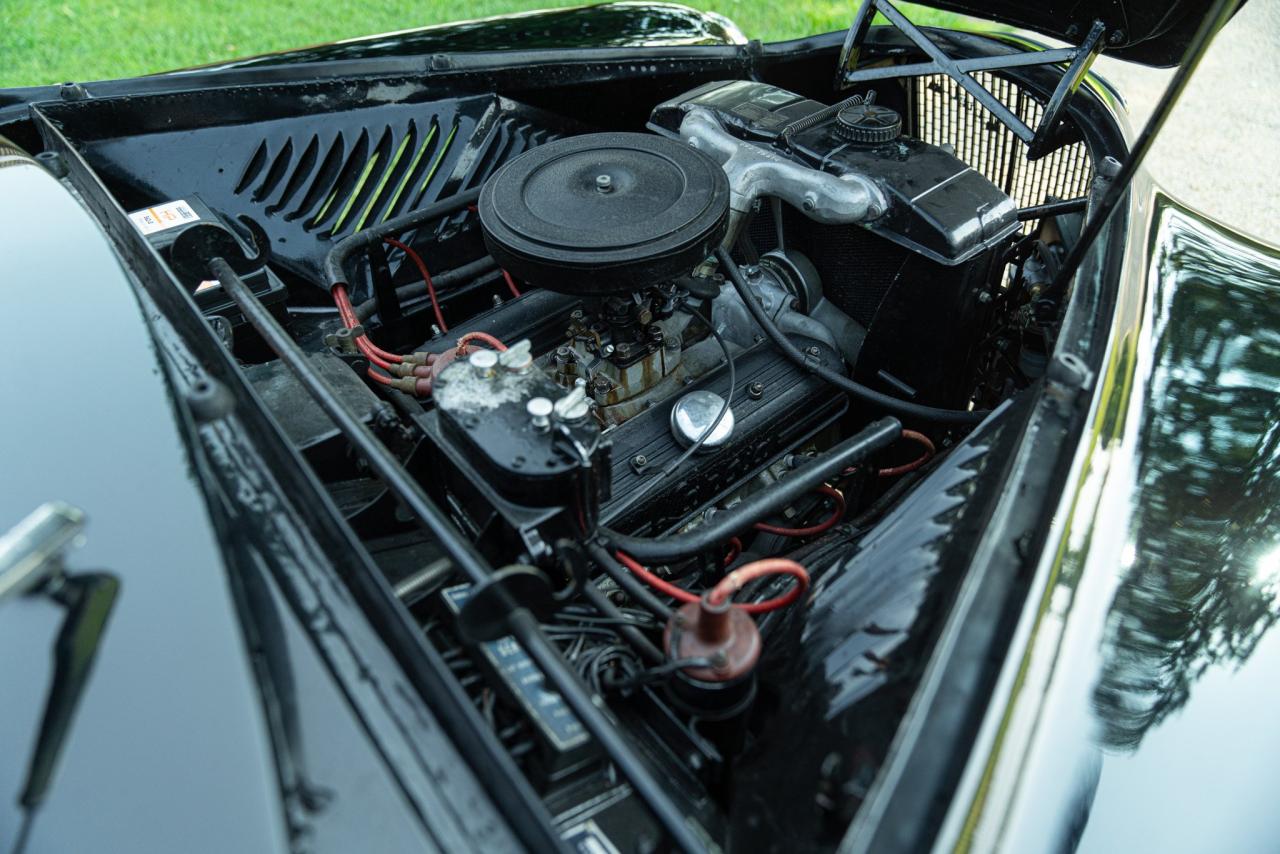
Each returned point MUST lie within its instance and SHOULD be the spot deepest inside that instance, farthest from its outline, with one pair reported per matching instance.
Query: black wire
(724, 409)
(630, 585)
(574, 619)
(652, 674)
(840, 381)
(626, 629)
(666, 472)
(562, 632)
(596, 665)
(587, 614)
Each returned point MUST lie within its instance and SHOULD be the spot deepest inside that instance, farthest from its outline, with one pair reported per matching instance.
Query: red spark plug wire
(823, 526)
(426, 277)
(511, 285)
(920, 439)
(735, 551)
(914, 436)
(349, 320)
(740, 577)
(491, 340)
(731, 583)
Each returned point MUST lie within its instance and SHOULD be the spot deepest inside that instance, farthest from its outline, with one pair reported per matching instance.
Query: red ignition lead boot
(712, 627)
(428, 366)
(412, 385)
(723, 638)
(725, 635)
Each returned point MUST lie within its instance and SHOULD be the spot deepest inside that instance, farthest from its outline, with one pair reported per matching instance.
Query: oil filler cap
(694, 414)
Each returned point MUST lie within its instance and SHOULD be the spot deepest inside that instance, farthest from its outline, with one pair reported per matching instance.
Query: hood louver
(310, 180)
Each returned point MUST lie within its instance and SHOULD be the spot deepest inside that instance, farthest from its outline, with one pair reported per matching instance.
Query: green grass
(45, 41)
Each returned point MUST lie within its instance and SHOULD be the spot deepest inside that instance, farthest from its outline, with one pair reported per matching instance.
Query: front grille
(948, 115)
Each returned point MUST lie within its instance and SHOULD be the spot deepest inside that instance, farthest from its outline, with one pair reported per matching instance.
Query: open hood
(1153, 32)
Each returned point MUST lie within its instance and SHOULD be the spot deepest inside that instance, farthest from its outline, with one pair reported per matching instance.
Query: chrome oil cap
(697, 411)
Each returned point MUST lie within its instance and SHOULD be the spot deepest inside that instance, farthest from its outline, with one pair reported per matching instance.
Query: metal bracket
(1041, 140)
(31, 552)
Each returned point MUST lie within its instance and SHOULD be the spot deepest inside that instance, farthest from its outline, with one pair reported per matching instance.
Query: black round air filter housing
(605, 213)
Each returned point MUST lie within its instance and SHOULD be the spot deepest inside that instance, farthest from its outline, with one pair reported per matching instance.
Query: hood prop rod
(519, 621)
(1213, 21)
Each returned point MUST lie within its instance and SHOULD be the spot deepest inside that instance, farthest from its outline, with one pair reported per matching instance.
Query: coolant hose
(711, 536)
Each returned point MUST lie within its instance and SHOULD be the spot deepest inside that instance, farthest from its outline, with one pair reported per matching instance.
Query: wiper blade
(88, 598)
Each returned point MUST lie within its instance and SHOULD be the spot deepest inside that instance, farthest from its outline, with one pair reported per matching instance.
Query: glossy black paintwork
(1143, 718)
(847, 661)
(69, 431)
(239, 700)
(171, 689)
(1189, 664)
(1155, 32)
(602, 26)
(1148, 31)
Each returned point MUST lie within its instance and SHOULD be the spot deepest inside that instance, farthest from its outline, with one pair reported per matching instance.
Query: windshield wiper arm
(31, 564)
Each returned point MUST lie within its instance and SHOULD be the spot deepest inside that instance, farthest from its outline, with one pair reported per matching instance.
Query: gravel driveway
(1220, 150)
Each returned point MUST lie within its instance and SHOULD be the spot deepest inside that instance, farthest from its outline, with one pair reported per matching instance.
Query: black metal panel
(842, 667)
(309, 177)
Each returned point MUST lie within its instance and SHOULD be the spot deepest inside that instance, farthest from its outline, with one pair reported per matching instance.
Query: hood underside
(1153, 32)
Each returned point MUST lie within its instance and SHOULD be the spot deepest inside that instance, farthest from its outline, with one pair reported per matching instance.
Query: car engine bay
(672, 357)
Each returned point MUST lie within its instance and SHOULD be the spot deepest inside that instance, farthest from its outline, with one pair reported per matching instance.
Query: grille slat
(340, 189)
(279, 168)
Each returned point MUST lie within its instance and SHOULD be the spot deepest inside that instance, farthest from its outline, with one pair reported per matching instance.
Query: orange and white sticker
(160, 217)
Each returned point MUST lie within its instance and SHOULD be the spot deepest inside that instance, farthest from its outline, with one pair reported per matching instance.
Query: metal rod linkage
(521, 623)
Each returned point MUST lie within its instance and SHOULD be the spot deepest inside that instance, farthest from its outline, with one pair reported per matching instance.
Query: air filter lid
(605, 213)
